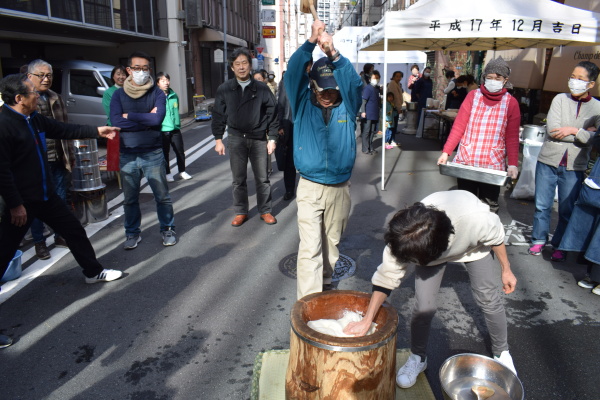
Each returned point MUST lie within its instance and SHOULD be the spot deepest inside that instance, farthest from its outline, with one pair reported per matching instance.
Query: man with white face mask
(139, 109)
(564, 156)
(486, 131)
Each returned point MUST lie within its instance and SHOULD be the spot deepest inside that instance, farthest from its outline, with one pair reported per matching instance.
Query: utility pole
(225, 58)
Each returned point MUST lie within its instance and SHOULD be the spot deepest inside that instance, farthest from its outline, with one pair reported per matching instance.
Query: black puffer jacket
(251, 114)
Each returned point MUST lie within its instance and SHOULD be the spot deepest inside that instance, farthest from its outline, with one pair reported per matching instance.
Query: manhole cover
(344, 268)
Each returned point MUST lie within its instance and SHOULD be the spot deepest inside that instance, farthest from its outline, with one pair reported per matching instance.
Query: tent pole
(385, 83)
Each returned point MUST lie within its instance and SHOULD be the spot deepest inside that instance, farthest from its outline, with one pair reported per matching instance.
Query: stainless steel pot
(534, 132)
(411, 106)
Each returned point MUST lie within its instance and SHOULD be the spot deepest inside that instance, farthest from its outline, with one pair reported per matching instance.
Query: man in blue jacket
(139, 108)
(324, 152)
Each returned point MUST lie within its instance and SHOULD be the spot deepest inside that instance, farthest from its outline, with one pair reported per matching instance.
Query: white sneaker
(506, 360)
(408, 373)
(185, 175)
(170, 178)
(106, 275)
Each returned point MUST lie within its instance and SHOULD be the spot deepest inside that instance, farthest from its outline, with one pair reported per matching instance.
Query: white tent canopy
(345, 40)
(484, 25)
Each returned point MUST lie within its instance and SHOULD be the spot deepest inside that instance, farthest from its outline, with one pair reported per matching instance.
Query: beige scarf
(134, 91)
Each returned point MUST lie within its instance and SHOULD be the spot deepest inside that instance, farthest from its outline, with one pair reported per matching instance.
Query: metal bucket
(534, 132)
(90, 206)
(411, 106)
(86, 172)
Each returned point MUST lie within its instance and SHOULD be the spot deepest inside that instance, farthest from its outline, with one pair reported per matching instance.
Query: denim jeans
(152, 166)
(583, 232)
(546, 180)
(242, 150)
(60, 178)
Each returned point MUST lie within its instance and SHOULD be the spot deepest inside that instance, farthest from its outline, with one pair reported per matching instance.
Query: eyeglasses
(42, 76)
(137, 68)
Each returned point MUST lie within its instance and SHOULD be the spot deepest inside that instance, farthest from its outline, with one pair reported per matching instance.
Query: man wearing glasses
(50, 105)
(324, 153)
(138, 108)
(26, 187)
(249, 110)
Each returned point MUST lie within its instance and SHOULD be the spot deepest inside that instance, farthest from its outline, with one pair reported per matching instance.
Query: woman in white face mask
(564, 156)
(486, 131)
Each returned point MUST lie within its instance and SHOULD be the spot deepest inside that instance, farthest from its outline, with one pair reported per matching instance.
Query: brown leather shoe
(239, 220)
(41, 251)
(60, 242)
(268, 218)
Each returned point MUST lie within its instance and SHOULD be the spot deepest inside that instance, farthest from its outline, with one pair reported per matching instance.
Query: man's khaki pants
(323, 212)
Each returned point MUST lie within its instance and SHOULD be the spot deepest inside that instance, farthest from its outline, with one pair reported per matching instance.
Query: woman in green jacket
(118, 75)
(171, 128)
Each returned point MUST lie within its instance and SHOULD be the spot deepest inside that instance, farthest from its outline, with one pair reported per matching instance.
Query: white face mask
(141, 77)
(426, 74)
(493, 85)
(374, 82)
(577, 86)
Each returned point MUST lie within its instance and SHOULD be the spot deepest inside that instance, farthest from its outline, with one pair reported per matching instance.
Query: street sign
(268, 2)
(260, 49)
(269, 32)
(218, 56)
(268, 15)
(260, 57)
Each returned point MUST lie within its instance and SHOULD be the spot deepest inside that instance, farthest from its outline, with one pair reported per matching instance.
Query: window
(144, 16)
(97, 12)
(32, 6)
(107, 77)
(84, 83)
(124, 15)
(66, 9)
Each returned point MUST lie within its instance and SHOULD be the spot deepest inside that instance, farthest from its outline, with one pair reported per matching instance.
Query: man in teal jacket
(324, 152)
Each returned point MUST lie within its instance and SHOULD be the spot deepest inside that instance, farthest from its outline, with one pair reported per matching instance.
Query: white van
(81, 84)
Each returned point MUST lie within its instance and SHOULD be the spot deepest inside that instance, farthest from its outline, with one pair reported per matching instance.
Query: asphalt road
(188, 321)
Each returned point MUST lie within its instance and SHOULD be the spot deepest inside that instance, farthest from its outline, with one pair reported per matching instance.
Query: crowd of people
(310, 123)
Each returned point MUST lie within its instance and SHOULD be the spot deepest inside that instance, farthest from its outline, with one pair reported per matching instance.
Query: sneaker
(389, 147)
(536, 249)
(41, 251)
(505, 359)
(131, 242)
(587, 283)
(5, 341)
(169, 238)
(170, 178)
(558, 255)
(408, 373)
(106, 275)
(596, 290)
(185, 175)
(59, 241)
(394, 144)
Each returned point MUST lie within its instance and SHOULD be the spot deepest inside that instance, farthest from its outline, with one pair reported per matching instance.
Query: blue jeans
(242, 150)
(152, 166)
(60, 178)
(546, 180)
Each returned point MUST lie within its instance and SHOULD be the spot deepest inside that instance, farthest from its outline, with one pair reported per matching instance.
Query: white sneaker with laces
(170, 178)
(506, 360)
(185, 175)
(408, 373)
(106, 275)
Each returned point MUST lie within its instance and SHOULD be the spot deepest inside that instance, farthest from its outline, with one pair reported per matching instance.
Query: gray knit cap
(497, 66)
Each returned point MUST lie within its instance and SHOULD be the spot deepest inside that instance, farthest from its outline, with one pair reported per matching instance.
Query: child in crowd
(390, 115)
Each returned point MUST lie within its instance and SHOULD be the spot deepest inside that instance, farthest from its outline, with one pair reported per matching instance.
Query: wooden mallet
(309, 6)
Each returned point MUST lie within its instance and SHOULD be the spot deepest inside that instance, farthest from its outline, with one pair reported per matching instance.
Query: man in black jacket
(249, 111)
(26, 187)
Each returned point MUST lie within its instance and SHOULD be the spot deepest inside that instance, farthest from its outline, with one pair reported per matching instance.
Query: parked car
(81, 85)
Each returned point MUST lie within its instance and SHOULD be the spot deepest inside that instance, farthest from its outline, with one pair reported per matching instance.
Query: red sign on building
(269, 32)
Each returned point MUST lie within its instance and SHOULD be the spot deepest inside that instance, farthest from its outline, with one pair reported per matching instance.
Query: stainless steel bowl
(459, 373)
(534, 132)
(411, 106)
(485, 175)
